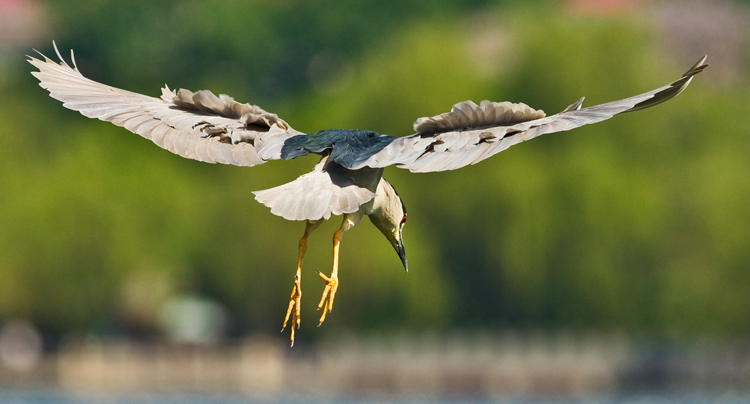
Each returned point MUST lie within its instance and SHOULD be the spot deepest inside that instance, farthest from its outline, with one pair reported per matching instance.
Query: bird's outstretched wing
(199, 126)
(471, 133)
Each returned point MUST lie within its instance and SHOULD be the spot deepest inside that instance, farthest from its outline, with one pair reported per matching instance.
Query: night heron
(348, 179)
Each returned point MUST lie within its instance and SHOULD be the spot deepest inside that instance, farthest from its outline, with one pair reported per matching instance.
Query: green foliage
(638, 223)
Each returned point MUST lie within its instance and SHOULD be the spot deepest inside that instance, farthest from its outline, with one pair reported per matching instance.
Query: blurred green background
(639, 224)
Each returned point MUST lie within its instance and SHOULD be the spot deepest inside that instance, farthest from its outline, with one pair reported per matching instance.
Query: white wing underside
(199, 126)
(471, 133)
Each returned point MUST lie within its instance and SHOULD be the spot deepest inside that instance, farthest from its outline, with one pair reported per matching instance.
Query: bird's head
(389, 216)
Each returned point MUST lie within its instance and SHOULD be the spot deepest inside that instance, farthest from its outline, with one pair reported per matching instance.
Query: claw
(293, 310)
(329, 293)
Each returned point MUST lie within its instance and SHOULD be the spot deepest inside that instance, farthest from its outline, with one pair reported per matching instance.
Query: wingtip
(574, 106)
(31, 58)
(57, 51)
(698, 67)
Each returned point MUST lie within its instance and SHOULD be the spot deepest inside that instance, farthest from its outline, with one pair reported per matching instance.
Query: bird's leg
(294, 299)
(332, 282)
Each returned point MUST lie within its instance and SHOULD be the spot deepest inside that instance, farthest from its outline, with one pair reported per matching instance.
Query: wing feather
(471, 133)
(200, 125)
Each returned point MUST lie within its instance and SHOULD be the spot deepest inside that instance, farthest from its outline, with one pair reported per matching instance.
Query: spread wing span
(471, 133)
(199, 126)
(217, 129)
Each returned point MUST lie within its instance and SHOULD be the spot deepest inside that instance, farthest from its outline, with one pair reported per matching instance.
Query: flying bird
(348, 180)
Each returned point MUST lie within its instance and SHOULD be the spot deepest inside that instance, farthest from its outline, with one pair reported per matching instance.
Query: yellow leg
(332, 283)
(294, 299)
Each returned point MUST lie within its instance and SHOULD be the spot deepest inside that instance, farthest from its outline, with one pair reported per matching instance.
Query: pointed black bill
(402, 254)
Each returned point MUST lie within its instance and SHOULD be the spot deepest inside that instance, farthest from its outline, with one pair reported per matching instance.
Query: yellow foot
(326, 301)
(294, 307)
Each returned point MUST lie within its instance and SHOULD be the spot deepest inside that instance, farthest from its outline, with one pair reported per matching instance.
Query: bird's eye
(403, 220)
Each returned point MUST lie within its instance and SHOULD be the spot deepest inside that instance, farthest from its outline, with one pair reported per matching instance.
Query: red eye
(403, 220)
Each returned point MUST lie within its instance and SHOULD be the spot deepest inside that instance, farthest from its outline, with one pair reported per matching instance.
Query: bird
(348, 179)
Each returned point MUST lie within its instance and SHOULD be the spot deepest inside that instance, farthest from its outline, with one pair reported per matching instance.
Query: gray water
(16, 396)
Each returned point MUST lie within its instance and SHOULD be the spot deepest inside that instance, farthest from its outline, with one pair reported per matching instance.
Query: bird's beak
(402, 253)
